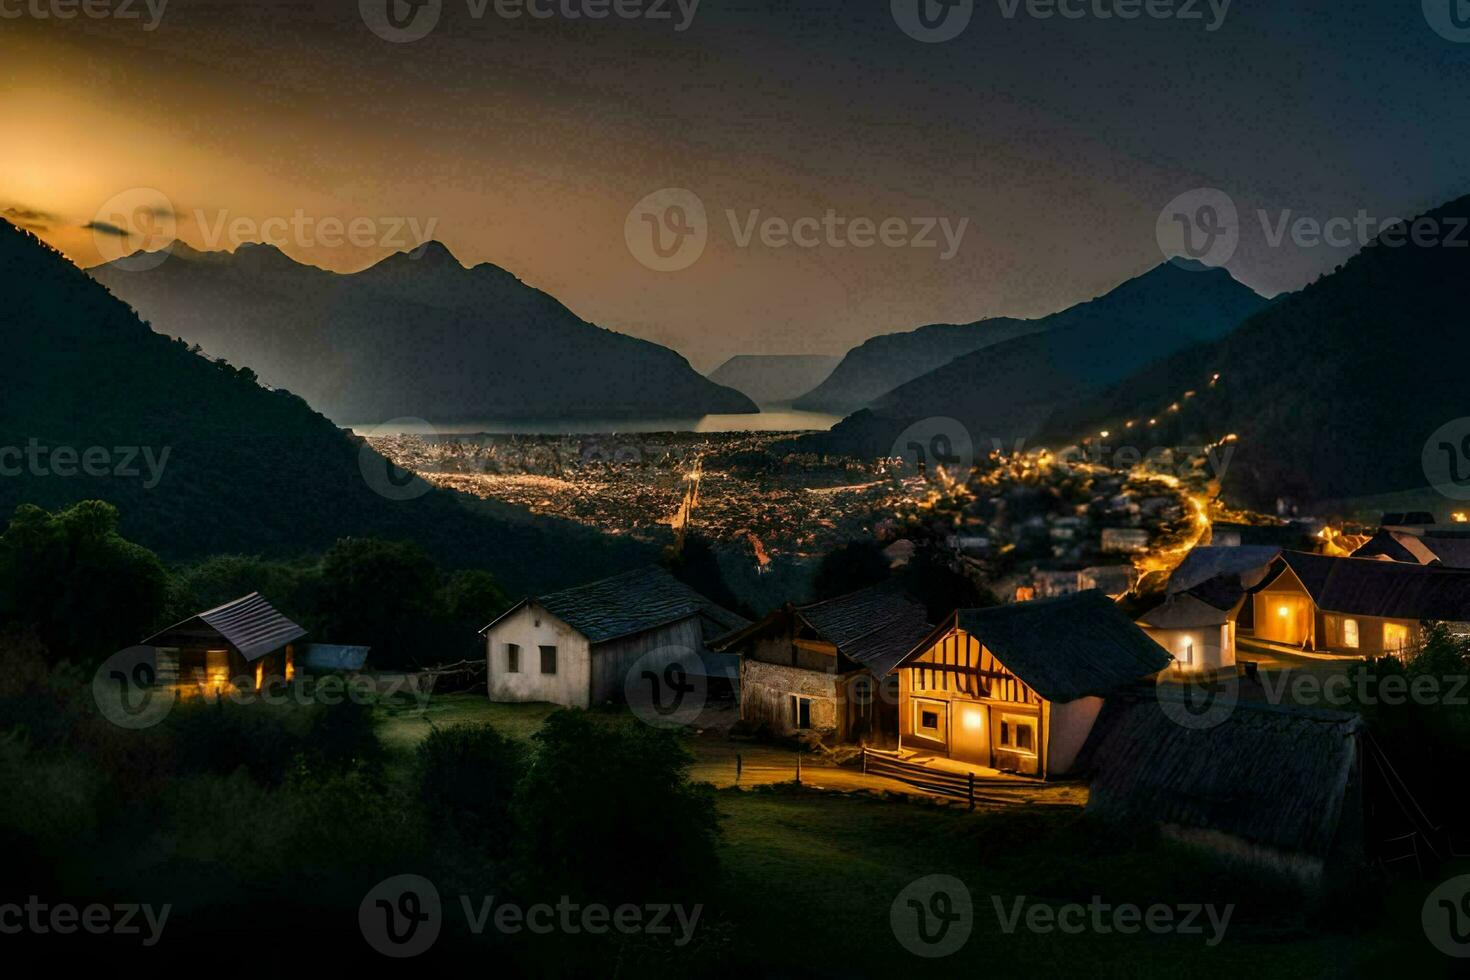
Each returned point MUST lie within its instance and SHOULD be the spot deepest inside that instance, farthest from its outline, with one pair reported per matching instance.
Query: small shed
(1273, 786)
(1199, 635)
(245, 641)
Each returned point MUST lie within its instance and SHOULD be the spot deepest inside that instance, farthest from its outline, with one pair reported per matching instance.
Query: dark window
(801, 712)
(1005, 733)
(929, 720)
(1023, 738)
(512, 658)
(548, 660)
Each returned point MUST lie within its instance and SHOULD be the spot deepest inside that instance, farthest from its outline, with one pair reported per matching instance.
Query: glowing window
(1350, 633)
(1395, 637)
(1186, 651)
(1018, 734)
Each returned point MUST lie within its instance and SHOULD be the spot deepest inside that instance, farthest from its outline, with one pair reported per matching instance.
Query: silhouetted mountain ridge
(248, 470)
(414, 335)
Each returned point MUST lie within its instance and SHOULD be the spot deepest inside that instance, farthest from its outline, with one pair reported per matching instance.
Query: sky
(818, 172)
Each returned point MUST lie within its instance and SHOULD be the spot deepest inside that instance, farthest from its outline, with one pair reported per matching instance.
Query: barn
(576, 647)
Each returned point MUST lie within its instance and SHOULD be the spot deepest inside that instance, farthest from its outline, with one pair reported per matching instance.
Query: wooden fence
(959, 785)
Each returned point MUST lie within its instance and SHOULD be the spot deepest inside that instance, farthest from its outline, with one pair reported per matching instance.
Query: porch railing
(960, 786)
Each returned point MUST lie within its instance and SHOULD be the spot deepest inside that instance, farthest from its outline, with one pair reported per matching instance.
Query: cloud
(28, 218)
(105, 228)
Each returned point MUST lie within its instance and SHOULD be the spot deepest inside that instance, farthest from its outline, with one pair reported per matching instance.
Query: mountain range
(1335, 391)
(877, 366)
(201, 459)
(1004, 392)
(773, 379)
(416, 335)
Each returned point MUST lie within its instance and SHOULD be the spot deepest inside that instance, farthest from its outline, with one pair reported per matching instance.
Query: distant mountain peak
(433, 253)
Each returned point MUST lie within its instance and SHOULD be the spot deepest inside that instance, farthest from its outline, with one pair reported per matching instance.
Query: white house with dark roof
(576, 647)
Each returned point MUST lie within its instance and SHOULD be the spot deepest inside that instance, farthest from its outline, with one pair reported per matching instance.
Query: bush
(467, 776)
(608, 812)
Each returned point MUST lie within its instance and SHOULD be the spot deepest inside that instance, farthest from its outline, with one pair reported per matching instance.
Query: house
(1355, 605)
(1017, 687)
(575, 647)
(245, 642)
(1124, 540)
(1273, 786)
(822, 666)
(1419, 546)
(1112, 580)
(1198, 634)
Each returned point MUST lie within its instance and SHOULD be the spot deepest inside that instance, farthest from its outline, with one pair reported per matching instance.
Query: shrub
(608, 812)
(466, 780)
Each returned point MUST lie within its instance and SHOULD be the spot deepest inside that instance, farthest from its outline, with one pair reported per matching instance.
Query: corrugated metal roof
(249, 624)
(1065, 648)
(630, 603)
(1390, 589)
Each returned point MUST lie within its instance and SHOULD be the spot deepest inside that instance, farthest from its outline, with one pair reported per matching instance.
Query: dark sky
(1057, 142)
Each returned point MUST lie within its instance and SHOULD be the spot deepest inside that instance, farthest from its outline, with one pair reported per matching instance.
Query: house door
(970, 740)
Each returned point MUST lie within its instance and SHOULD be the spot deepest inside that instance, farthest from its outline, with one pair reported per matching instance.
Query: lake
(767, 421)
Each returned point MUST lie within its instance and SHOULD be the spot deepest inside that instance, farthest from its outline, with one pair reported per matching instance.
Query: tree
(380, 594)
(83, 589)
(607, 811)
(697, 566)
(856, 565)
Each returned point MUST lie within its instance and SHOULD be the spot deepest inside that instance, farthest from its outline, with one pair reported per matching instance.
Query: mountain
(1005, 392)
(416, 335)
(877, 366)
(200, 459)
(773, 379)
(1334, 391)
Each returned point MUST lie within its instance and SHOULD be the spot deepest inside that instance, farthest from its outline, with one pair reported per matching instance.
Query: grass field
(809, 877)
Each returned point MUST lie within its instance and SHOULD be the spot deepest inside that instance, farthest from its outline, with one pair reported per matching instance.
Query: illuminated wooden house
(1018, 687)
(1356, 605)
(828, 666)
(245, 642)
(1196, 632)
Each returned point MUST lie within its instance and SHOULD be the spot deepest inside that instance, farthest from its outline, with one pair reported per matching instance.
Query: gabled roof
(1065, 648)
(627, 604)
(249, 624)
(1187, 611)
(1203, 565)
(1390, 589)
(876, 626)
(1273, 775)
(1421, 549)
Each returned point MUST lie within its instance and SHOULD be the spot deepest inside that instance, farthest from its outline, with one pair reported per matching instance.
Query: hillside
(416, 335)
(773, 379)
(1333, 391)
(877, 366)
(1005, 392)
(247, 469)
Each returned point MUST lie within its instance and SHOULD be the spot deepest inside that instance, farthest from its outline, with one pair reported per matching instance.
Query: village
(1145, 656)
